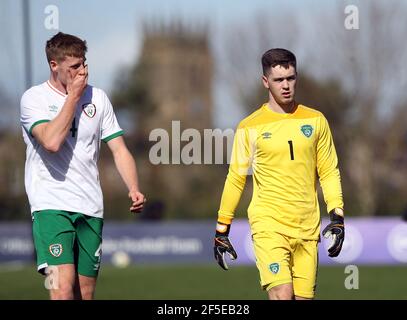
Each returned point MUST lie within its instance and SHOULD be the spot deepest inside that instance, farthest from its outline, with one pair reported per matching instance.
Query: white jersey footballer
(69, 179)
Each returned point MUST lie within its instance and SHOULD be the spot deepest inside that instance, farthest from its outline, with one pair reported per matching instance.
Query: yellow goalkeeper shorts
(282, 259)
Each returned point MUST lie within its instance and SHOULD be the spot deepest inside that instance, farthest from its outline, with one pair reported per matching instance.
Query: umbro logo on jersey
(53, 108)
(89, 109)
(266, 135)
(307, 130)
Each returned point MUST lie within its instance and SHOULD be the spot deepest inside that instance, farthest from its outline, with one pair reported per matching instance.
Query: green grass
(207, 282)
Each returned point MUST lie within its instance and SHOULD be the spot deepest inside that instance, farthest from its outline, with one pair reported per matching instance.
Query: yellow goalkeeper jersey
(286, 154)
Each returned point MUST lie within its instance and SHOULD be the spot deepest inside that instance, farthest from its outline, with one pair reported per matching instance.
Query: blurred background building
(171, 82)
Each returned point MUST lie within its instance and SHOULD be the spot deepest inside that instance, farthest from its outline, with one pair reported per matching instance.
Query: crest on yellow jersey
(274, 267)
(307, 130)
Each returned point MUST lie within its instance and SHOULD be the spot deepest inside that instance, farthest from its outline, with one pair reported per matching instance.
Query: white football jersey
(68, 179)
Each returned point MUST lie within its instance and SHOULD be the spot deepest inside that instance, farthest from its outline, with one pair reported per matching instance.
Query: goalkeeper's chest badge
(307, 130)
(274, 267)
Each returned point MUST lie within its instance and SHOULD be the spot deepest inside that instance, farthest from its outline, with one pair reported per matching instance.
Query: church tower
(178, 65)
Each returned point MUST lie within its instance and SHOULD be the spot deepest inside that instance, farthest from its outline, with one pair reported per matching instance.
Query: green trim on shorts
(112, 136)
(64, 237)
(36, 123)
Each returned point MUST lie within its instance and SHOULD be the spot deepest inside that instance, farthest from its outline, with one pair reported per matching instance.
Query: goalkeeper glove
(335, 230)
(223, 245)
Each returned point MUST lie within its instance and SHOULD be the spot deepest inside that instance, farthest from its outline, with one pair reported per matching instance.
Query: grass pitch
(206, 282)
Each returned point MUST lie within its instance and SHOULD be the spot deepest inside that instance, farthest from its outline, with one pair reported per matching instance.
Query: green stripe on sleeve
(114, 135)
(36, 123)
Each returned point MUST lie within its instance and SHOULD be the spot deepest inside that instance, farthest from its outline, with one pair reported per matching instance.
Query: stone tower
(171, 81)
(178, 65)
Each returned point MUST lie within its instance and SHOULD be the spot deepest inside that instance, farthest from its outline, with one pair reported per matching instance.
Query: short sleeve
(110, 125)
(32, 111)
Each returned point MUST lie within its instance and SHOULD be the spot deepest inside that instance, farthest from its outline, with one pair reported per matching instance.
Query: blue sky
(113, 32)
(112, 29)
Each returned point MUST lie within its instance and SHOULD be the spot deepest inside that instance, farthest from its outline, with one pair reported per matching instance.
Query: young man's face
(70, 65)
(281, 84)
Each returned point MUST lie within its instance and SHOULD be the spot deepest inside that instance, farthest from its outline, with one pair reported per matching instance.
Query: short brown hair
(62, 45)
(277, 56)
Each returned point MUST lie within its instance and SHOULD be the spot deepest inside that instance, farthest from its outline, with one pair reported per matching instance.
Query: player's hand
(137, 201)
(335, 230)
(76, 84)
(223, 245)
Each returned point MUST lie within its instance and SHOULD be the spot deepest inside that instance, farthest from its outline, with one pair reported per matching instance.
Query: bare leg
(65, 282)
(281, 292)
(87, 287)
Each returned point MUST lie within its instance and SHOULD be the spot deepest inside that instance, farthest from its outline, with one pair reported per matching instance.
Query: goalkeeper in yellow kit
(289, 147)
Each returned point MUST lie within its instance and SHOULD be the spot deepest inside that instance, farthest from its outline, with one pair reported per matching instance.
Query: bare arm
(51, 135)
(127, 168)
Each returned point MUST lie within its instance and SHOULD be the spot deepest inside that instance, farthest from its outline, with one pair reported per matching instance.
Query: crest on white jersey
(89, 109)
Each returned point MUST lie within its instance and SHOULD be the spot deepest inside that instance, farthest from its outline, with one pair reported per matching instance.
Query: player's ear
(53, 65)
(265, 82)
